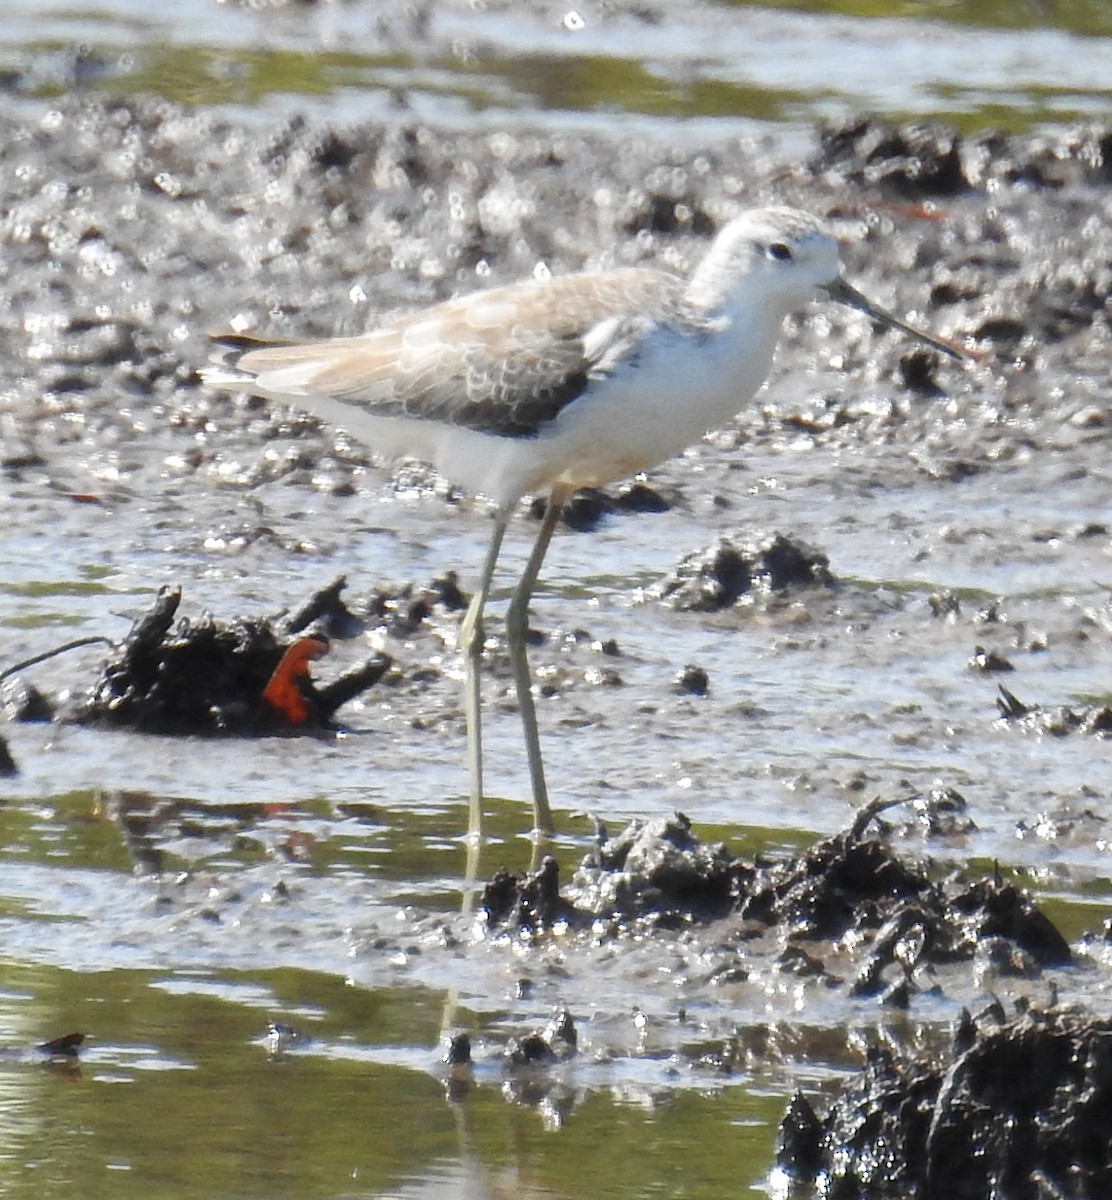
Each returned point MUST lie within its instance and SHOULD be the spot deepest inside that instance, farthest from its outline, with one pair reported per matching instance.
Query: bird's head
(777, 259)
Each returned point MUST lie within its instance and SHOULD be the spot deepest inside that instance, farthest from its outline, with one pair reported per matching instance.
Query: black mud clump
(1056, 720)
(848, 899)
(531, 904)
(692, 680)
(209, 677)
(57, 1050)
(659, 871)
(716, 577)
(655, 872)
(837, 885)
(911, 161)
(853, 890)
(1018, 1107)
(929, 160)
(557, 1042)
(66, 1046)
(989, 661)
(588, 507)
(404, 610)
(529, 1062)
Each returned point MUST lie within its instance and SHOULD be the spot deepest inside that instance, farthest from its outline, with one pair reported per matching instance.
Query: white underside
(628, 421)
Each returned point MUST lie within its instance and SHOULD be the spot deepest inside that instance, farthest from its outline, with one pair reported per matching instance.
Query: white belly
(675, 390)
(645, 413)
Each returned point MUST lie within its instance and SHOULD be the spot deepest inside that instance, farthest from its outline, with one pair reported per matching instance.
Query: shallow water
(176, 1097)
(172, 896)
(715, 69)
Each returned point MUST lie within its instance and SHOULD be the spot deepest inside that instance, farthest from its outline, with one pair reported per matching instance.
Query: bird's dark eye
(780, 251)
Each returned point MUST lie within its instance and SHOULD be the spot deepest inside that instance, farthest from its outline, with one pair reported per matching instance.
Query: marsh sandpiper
(556, 384)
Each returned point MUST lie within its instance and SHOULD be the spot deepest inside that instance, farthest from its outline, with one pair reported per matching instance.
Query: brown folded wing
(506, 361)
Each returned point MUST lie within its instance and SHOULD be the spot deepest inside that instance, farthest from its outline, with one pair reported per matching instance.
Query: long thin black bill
(844, 293)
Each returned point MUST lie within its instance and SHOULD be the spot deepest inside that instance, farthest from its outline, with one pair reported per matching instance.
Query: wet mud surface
(814, 607)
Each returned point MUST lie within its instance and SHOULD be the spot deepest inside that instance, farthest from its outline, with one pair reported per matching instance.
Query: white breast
(672, 393)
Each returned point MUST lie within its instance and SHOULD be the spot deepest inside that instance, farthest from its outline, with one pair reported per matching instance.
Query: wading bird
(558, 384)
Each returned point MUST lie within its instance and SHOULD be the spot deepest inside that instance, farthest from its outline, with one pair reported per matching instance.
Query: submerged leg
(471, 647)
(517, 630)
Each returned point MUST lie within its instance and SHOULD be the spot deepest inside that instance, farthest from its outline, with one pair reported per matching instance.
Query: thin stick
(38, 658)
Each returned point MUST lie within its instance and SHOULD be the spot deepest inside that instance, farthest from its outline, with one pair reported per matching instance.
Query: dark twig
(38, 658)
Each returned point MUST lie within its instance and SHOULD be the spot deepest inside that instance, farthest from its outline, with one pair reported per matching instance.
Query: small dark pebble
(448, 593)
(582, 512)
(533, 903)
(22, 701)
(556, 1043)
(532, 1050)
(917, 370)
(715, 1062)
(639, 497)
(943, 812)
(944, 604)
(65, 1046)
(727, 974)
(989, 614)
(586, 509)
(605, 677)
(457, 1050)
(562, 1036)
(692, 681)
(794, 960)
(1007, 330)
(988, 660)
(799, 1140)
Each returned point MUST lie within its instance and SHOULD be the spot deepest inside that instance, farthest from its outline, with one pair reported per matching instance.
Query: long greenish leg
(517, 630)
(471, 647)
